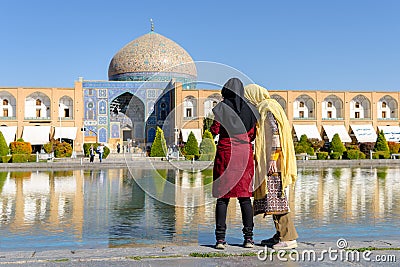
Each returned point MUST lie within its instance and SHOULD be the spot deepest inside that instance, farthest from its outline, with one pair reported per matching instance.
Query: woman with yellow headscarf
(275, 166)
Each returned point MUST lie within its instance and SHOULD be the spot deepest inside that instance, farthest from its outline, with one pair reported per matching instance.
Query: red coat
(233, 165)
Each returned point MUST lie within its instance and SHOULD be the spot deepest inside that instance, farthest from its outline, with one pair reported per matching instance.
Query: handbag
(274, 202)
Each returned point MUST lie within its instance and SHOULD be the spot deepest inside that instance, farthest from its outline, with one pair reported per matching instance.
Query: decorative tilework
(151, 120)
(102, 107)
(151, 93)
(103, 120)
(123, 85)
(151, 133)
(102, 93)
(115, 129)
(151, 52)
(102, 136)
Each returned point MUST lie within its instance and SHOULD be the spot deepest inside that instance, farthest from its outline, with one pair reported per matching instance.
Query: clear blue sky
(308, 44)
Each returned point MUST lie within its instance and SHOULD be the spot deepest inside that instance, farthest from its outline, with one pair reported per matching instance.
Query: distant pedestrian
(100, 150)
(91, 153)
(118, 148)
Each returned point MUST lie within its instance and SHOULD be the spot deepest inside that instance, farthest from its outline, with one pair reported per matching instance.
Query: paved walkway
(383, 253)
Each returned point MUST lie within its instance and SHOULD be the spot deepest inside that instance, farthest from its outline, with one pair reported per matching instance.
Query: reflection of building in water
(347, 193)
(51, 200)
(111, 207)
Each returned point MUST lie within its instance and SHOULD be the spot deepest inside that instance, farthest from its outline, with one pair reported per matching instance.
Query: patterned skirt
(274, 202)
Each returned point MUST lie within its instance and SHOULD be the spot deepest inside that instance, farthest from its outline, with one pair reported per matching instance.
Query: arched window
(332, 107)
(387, 108)
(189, 107)
(37, 105)
(303, 107)
(65, 107)
(280, 100)
(7, 104)
(360, 107)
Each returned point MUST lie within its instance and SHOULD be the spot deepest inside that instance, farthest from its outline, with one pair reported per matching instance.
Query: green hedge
(19, 158)
(381, 155)
(353, 154)
(207, 157)
(322, 155)
(335, 155)
(32, 158)
(6, 159)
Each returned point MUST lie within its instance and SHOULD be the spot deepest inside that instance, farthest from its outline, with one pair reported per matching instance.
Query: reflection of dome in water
(149, 55)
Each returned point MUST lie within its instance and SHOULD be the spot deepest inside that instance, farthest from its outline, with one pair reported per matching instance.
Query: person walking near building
(91, 153)
(118, 148)
(276, 167)
(100, 150)
(233, 171)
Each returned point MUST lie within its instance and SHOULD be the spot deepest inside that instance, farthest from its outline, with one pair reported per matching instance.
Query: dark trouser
(91, 158)
(220, 217)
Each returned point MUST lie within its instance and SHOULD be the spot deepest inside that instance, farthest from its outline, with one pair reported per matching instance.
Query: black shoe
(220, 244)
(269, 242)
(248, 243)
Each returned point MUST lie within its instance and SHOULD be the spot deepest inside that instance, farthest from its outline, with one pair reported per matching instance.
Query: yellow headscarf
(259, 97)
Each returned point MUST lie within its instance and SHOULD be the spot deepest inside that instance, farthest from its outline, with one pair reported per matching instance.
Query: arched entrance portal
(127, 119)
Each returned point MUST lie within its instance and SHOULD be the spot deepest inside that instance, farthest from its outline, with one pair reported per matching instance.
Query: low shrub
(335, 155)
(19, 147)
(310, 151)
(381, 155)
(48, 148)
(207, 157)
(63, 150)
(6, 159)
(394, 147)
(322, 155)
(352, 154)
(19, 158)
(189, 157)
(32, 158)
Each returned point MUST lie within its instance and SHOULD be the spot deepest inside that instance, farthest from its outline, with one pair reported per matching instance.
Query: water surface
(108, 208)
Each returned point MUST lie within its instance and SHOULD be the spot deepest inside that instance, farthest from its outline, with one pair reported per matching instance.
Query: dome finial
(152, 25)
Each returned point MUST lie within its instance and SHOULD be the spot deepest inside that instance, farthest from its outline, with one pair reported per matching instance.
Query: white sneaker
(285, 245)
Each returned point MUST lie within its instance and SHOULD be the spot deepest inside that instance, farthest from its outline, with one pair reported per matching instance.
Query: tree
(381, 143)
(207, 122)
(192, 146)
(62, 150)
(207, 146)
(304, 146)
(159, 146)
(337, 145)
(3, 145)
